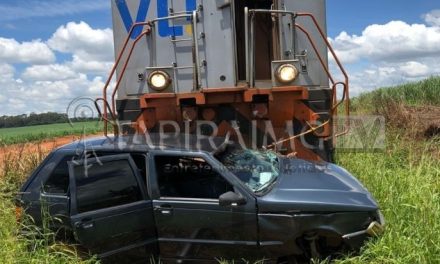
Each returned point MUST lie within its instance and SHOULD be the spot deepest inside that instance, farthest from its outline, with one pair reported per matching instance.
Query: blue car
(128, 200)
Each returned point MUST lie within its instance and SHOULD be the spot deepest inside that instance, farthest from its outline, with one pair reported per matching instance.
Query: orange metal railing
(112, 110)
(345, 94)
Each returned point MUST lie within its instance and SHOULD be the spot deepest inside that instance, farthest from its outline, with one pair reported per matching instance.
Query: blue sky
(56, 50)
(355, 16)
(343, 15)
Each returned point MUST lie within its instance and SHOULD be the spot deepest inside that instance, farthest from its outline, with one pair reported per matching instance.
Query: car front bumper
(374, 229)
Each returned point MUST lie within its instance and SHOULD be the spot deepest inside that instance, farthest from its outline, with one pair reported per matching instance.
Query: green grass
(426, 92)
(35, 133)
(405, 180)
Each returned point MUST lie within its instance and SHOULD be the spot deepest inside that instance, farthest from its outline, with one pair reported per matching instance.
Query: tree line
(37, 119)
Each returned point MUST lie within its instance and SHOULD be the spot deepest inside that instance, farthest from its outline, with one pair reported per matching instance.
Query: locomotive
(254, 70)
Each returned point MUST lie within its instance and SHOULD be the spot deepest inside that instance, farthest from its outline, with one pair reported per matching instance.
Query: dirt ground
(40, 147)
(419, 121)
(426, 118)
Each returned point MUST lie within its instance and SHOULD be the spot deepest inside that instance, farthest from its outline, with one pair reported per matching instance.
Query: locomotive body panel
(169, 46)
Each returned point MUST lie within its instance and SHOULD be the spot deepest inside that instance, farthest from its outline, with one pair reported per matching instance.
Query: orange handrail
(144, 33)
(346, 95)
(113, 70)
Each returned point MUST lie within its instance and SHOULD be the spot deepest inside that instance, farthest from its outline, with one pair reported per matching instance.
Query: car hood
(304, 186)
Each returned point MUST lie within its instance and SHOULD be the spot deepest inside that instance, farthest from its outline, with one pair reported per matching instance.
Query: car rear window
(58, 181)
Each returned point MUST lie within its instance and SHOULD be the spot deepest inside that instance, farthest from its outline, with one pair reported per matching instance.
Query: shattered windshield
(258, 169)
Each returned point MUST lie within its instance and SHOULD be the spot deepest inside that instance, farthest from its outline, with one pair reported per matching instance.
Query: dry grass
(415, 122)
(21, 242)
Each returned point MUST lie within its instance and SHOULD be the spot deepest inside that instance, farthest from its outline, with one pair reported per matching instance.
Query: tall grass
(426, 92)
(21, 242)
(405, 180)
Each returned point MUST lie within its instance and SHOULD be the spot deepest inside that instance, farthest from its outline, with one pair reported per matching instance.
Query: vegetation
(38, 119)
(405, 180)
(426, 92)
(35, 133)
(37, 246)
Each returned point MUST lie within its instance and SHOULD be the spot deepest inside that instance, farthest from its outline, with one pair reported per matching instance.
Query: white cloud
(390, 74)
(21, 9)
(91, 66)
(413, 69)
(432, 18)
(394, 41)
(28, 96)
(51, 72)
(96, 86)
(83, 41)
(49, 85)
(7, 72)
(11, 51)
(390, 54)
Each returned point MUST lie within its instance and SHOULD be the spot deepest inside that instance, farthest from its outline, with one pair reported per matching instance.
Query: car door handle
(165, 210)
(84, 224)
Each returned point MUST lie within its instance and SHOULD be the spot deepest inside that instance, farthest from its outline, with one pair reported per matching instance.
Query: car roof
(139, 142)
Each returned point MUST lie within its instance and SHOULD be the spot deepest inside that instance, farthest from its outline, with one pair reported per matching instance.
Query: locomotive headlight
(286, 73)
(159, 80)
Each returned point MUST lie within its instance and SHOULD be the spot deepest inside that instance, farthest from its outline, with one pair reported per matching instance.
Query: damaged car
(126, 200)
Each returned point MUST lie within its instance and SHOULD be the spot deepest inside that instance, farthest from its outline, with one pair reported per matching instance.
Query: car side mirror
(231, 199)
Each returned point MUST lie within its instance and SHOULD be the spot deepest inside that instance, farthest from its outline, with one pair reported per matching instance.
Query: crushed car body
(126, 200)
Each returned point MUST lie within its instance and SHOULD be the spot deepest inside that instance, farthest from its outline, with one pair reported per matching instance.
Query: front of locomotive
(257, 70)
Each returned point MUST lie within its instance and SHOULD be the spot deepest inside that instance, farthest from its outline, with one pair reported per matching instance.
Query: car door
(190, 222)
(47, 194)
(111, 214)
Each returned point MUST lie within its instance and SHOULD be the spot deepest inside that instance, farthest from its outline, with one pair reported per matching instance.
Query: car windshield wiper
(267, 186)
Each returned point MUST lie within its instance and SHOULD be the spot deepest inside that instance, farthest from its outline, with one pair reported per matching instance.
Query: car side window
(189, 177)
(138, 158)
(58, 181)
(106, 185)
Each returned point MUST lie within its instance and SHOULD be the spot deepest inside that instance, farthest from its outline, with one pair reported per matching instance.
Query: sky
(53, 51)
